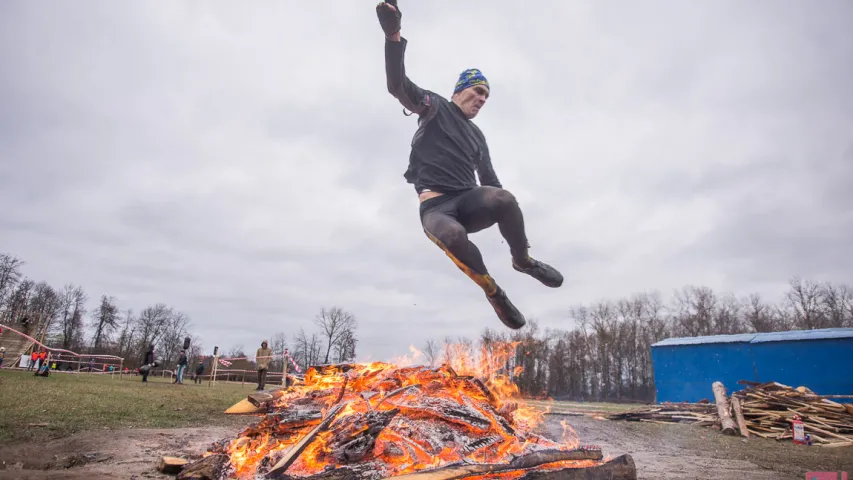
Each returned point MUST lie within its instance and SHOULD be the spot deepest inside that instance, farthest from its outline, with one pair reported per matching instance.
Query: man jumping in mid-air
(447, 150)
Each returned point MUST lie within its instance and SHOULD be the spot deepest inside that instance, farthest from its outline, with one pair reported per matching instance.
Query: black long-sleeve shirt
(448, 149)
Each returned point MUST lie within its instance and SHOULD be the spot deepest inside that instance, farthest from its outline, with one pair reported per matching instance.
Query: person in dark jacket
(448, 151)
(182, 366)
(147, 363)
(199, 371)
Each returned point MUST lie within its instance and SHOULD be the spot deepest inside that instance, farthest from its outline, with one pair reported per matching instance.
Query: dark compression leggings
(448, 219)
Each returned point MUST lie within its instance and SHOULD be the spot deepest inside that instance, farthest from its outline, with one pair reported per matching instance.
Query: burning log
(448, 410)
(620, 468)
(529, 461)
(355, 435)
(372, 421)
(294, 452)
(208, 468)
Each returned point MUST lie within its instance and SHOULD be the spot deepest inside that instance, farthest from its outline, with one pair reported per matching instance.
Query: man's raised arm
(412, 97)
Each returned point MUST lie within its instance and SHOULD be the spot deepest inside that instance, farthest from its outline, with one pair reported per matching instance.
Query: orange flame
(468, 409)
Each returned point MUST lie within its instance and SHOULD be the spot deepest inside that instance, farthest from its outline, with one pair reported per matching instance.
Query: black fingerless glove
(389, 19)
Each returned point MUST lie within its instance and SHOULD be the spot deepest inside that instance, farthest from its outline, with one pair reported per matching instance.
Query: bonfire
(381, 420)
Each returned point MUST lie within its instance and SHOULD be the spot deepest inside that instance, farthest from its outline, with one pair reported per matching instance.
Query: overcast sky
(243, 162)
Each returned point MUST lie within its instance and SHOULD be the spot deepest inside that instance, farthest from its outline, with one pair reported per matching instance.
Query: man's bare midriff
(427, 195)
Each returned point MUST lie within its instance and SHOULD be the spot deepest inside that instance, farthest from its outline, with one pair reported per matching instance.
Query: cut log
(172, 465)
(620, 468)
(292, 454)
(455, 471)
(208, 468)
(259, 399)
(741, 423)
(724, 409)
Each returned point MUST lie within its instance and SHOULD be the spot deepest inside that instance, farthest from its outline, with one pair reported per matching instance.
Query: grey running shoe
(548, 275)
(506, 311)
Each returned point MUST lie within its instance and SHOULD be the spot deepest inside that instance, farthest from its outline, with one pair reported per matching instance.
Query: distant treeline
(62, 318)
(606, 357)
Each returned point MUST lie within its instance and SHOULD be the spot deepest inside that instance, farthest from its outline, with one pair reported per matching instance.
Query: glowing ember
(384, 420)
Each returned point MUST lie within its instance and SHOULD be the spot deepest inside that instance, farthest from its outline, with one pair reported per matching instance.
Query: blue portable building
(685, 368)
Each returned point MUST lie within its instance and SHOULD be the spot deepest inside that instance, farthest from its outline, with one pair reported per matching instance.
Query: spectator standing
(182, 366)
(149, 359)
(2, 355)
(33, 359)
(262, 358)
(199, 370)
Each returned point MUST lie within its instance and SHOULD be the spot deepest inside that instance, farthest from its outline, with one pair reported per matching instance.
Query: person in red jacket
(33, 358)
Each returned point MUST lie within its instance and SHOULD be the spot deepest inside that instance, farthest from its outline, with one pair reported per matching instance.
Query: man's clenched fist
(389, 16)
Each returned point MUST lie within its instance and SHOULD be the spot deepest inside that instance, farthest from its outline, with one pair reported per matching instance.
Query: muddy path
(681, 451)
(116, 454)
(659, 451)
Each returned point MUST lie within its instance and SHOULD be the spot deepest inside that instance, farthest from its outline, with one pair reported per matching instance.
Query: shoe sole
(508, 321)
(547, 282)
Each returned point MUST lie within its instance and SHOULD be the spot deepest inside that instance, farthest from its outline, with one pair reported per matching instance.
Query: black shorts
(470, 208)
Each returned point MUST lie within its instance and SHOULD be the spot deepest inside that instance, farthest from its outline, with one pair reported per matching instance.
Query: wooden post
(284, 359)
(213, 363)
(724, 409)
(741, 423)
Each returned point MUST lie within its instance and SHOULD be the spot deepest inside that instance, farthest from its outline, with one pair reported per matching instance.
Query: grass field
(63, 404)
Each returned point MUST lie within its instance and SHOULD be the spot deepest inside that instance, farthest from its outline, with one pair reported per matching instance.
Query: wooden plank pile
(700, 414)
(766, 410)
(769, 408)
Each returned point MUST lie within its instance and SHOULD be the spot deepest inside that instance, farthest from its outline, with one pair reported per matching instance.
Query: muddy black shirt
(447, 149)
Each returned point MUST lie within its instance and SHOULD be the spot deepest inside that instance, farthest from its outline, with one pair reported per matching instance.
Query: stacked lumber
(699, 414)
(768, 410)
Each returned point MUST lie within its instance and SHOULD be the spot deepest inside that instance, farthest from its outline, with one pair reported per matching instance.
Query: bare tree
(175, 330)
(306, 350)
(727, 316)
(431, 351)
(758, 315)
(10, 275)
(126, 337)
(837, 303)
(104, 321)
(150, 327)
(804, 301)
(237, 351)
(279, 343)
(71, 319)
(344, 350)
(335, 324)
(695, 308)
(44, 306)
(19, 303)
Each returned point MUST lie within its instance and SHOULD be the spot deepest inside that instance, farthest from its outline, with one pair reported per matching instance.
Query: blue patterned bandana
(469, 78)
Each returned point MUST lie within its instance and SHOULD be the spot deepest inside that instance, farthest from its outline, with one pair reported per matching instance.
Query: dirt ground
(659, 451)
(682, 451)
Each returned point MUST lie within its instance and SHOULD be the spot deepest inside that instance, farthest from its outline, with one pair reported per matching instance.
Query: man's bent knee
(504, 199)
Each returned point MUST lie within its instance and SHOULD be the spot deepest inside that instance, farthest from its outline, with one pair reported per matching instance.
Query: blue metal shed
(685, 368)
